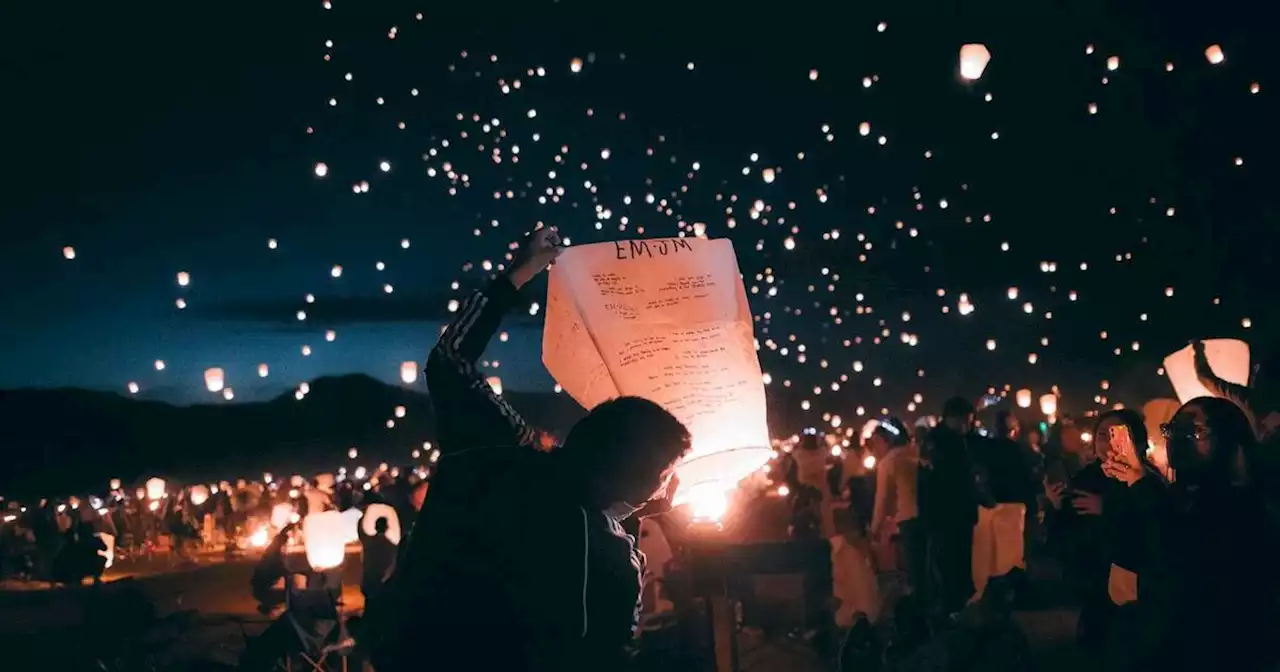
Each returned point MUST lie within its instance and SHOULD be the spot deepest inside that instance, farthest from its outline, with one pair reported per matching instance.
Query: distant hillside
(73, 440)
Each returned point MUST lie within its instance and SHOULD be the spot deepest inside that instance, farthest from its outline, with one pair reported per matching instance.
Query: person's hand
(1087, 503)
(1053, 492)
(540, 248)
(1122, 471)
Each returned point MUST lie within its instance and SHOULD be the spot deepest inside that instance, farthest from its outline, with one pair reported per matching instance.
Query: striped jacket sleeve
(469, 414)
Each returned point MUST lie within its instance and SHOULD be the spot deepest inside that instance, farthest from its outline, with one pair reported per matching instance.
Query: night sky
(156, 138)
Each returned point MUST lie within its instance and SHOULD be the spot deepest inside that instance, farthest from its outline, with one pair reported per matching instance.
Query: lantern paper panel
(280, 514)
(666, 319)
(495, 383)
(155, 488)
(351, 521)
(1048, 404)
(1228, 359)
(324, 539)
(373, 513)
(1024, 398)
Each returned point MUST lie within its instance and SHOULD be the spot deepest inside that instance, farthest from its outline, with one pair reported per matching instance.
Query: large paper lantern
(324, 539)
(115, 484)
(973, 60)
(199, 495)
(351, 518)
(214, 379)
(1024, 398)
(1048, 404)
(155, 488)
(495, 383)
(373, 513)
(665, 319)
(408, 372)
(1228, 358)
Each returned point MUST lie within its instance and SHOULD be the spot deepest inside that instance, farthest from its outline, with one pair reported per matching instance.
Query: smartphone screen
(1121, 439)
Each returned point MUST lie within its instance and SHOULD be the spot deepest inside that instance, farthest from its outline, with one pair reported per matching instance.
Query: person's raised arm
(1237, 394)
(468, 411)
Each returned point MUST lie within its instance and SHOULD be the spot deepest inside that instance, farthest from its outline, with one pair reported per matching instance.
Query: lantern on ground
(214, 379)
(973, 61)
(1024, 398)
(199, 495)
(408, 372)
(375, 512)
(324, 539)
(155, 488)
(495, 383)
(1049, 404)
(1228, 359)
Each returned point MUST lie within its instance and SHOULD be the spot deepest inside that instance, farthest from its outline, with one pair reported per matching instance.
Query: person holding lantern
(515, 541)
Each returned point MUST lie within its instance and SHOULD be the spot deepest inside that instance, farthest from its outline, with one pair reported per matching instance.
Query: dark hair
(1001, 424)
(893, 431)
(1137, 429)
(957, 407)
(380, 525)
(626, 441)
(1235, 444)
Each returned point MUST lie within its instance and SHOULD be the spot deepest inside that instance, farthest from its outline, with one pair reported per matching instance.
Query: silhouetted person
(517, 560)
(949, 500)
(379, 558)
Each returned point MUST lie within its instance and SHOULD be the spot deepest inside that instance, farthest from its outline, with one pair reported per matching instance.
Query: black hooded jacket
(508, 567)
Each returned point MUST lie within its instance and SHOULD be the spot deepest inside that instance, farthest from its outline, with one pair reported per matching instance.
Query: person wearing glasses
(1207, 587)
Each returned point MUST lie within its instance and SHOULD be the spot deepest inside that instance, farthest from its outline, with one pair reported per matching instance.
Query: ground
(41, 625)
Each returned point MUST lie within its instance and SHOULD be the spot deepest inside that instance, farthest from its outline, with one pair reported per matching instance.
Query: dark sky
(165, 137)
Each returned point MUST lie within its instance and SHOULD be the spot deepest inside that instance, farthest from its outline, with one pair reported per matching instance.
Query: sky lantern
(408, 372)
(155, 488)
(375, 512)
(115, 484)
(1214, 54)
(352, 453)
(587, 331)
(1113, 62)
(184, 278)
(1228, 358)
(1024, 398)
(973, 61)
(133, 387)
(214, 379)
(199, 494)
(496, 383)
(325, 539)
(228, 393)
(1049, 404)
(281, 514)
(400, 411)
(69, 252)
(263, 370)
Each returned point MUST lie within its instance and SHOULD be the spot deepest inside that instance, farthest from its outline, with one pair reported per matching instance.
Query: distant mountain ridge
(64, 441)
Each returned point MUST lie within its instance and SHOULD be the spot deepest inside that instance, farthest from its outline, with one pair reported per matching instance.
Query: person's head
(1123, 418)
(1209, 440)
(888, 434)
(625, 450)
(1034, 438)
(1006, 425)
(380, 526)
(957, 414)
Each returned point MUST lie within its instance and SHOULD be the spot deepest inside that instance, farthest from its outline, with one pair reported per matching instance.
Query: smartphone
(1122, 440)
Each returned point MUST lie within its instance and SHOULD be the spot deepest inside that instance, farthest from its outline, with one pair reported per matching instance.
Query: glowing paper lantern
(108, 540)
(1214, 54)
(693, 351)
(400, 411)
(184, 278)
(324, 538)
(155, 488)
(1049, 404)
(280, 514)
(973, 60)
(409, 372)
(199, 495)
(496, 383)
(115, 484)
(1024, 398)
(373, 513)
(214, 379)
(351, 522)
(1228, 359)
(263, 370)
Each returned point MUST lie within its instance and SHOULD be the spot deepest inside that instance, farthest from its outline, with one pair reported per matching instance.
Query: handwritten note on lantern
(1228, 359)
(665, 319)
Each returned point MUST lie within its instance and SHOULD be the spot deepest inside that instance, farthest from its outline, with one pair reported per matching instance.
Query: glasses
(1189, 432)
